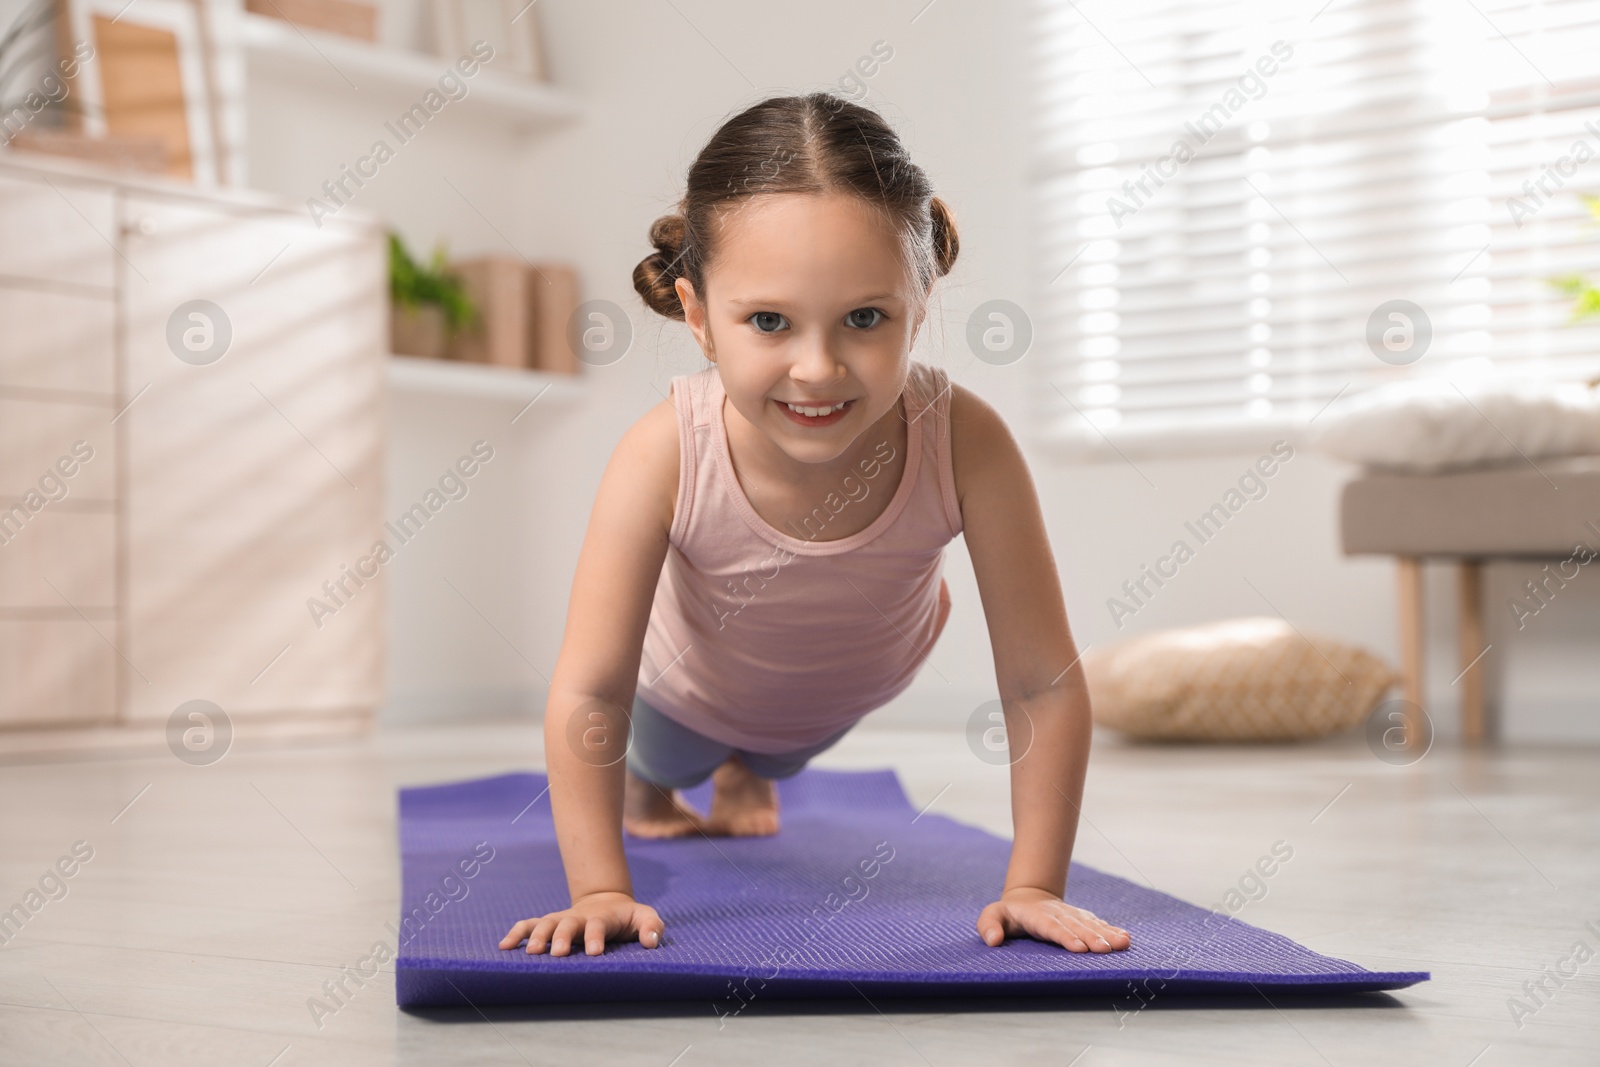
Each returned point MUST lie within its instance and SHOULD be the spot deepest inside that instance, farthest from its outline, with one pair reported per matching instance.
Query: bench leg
(1411, 637)
(1471, 649)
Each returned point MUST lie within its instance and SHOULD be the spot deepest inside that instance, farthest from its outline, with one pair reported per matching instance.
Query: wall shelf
(329, 61)
(439, 377)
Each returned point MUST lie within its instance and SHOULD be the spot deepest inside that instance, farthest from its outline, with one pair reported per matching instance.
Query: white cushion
(1430, 425)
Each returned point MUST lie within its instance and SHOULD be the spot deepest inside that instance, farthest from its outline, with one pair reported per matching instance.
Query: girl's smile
(813, 414)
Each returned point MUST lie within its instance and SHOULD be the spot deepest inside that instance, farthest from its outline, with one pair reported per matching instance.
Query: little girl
(762, 564)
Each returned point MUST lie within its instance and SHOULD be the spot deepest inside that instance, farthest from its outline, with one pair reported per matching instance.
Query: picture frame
(510, 26)
(169, 68)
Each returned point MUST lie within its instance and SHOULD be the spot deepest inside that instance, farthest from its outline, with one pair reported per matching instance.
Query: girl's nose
(815, 365)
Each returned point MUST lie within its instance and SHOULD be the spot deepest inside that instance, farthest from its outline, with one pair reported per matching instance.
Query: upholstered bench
(1547, 509)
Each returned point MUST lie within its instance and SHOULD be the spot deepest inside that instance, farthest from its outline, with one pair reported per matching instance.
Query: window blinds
(1231, 196)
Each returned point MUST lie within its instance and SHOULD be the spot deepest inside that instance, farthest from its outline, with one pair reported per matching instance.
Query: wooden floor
(221, 898)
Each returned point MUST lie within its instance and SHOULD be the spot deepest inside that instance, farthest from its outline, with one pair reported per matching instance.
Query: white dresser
(166, 513)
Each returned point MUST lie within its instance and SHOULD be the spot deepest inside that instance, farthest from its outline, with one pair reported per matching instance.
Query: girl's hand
(1046, 917)
(596, 918)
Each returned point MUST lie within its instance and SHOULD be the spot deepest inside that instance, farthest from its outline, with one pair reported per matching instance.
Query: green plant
(1585, 294)
(412, 284)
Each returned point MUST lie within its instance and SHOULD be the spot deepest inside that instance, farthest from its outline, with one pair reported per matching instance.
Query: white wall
(655, 84)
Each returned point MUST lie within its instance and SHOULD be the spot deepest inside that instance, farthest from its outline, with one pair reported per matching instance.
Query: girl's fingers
(1101, 939)
(991, 924)
(558, 933)
(518, 932)
(561, 941)
(539, 936)
(1052, 921)
(594, 936)
(1068, 932)
(1075, 929)
(1114, 937)
(651, 929)
(1089, 931)
(1103, 936)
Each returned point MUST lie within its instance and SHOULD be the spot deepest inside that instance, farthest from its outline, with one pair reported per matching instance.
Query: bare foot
(649, 810)
(743, 804)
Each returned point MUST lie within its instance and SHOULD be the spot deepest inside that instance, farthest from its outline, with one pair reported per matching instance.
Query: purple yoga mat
(856, 895)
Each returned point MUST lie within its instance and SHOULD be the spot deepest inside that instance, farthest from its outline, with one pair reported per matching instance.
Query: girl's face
(808, 302)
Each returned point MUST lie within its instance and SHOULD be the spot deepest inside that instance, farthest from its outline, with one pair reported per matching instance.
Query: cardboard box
(348, 18)
(498, 288)
(553, 296)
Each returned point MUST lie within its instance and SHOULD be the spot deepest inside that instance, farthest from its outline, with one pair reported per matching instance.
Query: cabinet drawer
(59, 559)
(57, 672)
(37, 439)
(51, 340)
(58, 231)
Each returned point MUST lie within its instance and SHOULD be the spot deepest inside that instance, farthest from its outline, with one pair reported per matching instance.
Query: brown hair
(816, 143)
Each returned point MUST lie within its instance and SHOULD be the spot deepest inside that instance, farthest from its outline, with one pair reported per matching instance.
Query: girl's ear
(917, 321)
(694, 316)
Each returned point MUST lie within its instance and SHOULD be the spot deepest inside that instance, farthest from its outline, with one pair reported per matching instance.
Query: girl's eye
(864, 318)
(768, 321)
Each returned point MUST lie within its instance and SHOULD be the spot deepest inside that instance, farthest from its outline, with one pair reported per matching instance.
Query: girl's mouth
(827, 414)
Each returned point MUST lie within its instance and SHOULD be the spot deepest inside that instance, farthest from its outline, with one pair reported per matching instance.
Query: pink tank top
(772, 640)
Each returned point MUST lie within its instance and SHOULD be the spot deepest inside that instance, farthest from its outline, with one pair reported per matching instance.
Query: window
(1233, 196)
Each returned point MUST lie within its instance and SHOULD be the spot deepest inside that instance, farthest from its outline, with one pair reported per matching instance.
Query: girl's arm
(1042, 689)
(592, 691)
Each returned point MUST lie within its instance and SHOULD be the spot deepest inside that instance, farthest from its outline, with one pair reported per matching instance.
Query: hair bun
(656, 275)
(946, 243)
(667, 233)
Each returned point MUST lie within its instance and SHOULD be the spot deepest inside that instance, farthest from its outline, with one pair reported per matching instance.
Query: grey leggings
(673, 756)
